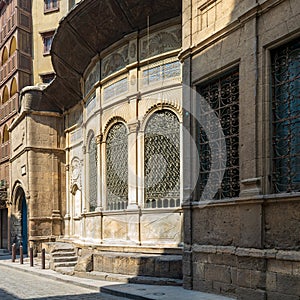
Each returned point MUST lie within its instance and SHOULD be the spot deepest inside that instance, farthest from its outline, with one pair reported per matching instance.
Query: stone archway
(19, 219)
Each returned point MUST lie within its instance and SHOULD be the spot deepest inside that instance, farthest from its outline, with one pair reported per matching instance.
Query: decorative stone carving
(76, 172)
(92, 78)
(134, 126)
(115, 61)
(160, 42)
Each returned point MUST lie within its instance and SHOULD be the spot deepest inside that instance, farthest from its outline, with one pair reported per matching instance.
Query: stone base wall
(247, 249)
(247, 273)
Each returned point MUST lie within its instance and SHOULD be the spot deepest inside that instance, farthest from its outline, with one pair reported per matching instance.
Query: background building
(26, 32)
(15, 73)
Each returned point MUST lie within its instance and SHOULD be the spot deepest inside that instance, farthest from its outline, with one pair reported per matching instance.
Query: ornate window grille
(162, 160)
(92, 155)
(117, 167)
(222, 96)
(286, 117)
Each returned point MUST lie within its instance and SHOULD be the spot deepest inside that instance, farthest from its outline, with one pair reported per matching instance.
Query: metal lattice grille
(92, 174)
(222, 98)
(162, 161)
(117, 167)
(286, 118)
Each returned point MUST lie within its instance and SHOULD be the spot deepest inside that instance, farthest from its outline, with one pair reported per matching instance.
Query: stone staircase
(4, 252)
(61, 257)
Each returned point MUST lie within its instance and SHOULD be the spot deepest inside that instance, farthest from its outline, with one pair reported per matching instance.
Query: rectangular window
(47, 78)
(47, 41)
(51, 5)
(71, 4)
(217, 136)
(286, 117)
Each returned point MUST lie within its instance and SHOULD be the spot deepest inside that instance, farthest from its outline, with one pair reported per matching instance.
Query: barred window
(117, 167)
(286, 117)
(92, 169)
(162, 160)
(217, 136)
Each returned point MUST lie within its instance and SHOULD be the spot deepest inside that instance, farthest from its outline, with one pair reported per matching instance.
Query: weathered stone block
(271, 279)
(250, 294)
(224, 288)
(251, 263)
(251, 279)
(85, 264)
(288, 284)
(199, 271)
(217, 273)
(279, 296)
(222, 259)
(202, 285)
(280, 266)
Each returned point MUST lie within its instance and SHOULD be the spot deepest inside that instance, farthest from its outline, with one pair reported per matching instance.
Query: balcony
(9, 108)
(18, 60)
(8, 28)
(4, 151)
(20, 17)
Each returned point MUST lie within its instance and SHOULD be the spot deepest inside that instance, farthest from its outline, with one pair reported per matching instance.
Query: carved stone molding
(134, 126)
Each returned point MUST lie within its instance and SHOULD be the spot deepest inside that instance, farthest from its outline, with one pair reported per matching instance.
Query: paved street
(16, 284)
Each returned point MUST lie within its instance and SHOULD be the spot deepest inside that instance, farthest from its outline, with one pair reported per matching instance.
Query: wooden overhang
(90, 27)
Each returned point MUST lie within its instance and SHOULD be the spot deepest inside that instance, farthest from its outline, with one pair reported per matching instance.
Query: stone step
(63, 254)
(139, 264)
(129, 279)
(65, 270)
(64, 264)
(4, 252)
(65, 259)
(58, 247)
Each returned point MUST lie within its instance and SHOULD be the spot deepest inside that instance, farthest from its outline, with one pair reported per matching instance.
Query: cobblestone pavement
(15, 284)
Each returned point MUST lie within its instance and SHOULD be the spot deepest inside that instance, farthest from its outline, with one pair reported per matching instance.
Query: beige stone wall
(41, 23)
(97, 113)
(38, 168)
(241, 34)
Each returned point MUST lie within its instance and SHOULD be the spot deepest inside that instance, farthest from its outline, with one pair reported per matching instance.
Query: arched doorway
(24, 230)
(19, 220)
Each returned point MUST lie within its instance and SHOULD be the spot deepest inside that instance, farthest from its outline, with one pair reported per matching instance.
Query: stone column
(99, 170)
(133, 165)
(67, 215)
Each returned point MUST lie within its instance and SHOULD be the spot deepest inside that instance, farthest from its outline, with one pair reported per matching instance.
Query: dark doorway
(24, 224)
(3, 228)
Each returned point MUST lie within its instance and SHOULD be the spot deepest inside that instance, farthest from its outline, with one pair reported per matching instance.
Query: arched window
(162, 160)
(4, 57)
(5, 134)
(117, 167)
(92, 173)
(13, 46)
(5, 96)
(13, 87)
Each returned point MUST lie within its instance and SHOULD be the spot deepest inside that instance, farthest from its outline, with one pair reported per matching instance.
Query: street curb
(113, 292)
(50, 276)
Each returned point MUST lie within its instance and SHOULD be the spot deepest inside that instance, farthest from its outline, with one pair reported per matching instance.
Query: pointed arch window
(117, 167)
(92, 169)
(162, 160)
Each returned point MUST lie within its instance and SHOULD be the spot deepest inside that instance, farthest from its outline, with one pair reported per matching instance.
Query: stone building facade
(242, 58)
(170, 128)
(15, 73)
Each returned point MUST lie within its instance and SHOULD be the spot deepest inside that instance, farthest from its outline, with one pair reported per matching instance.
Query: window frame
(52, 8)
(291, 185)
(47, 35)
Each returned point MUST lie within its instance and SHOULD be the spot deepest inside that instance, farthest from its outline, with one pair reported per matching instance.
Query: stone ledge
(251, 252)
